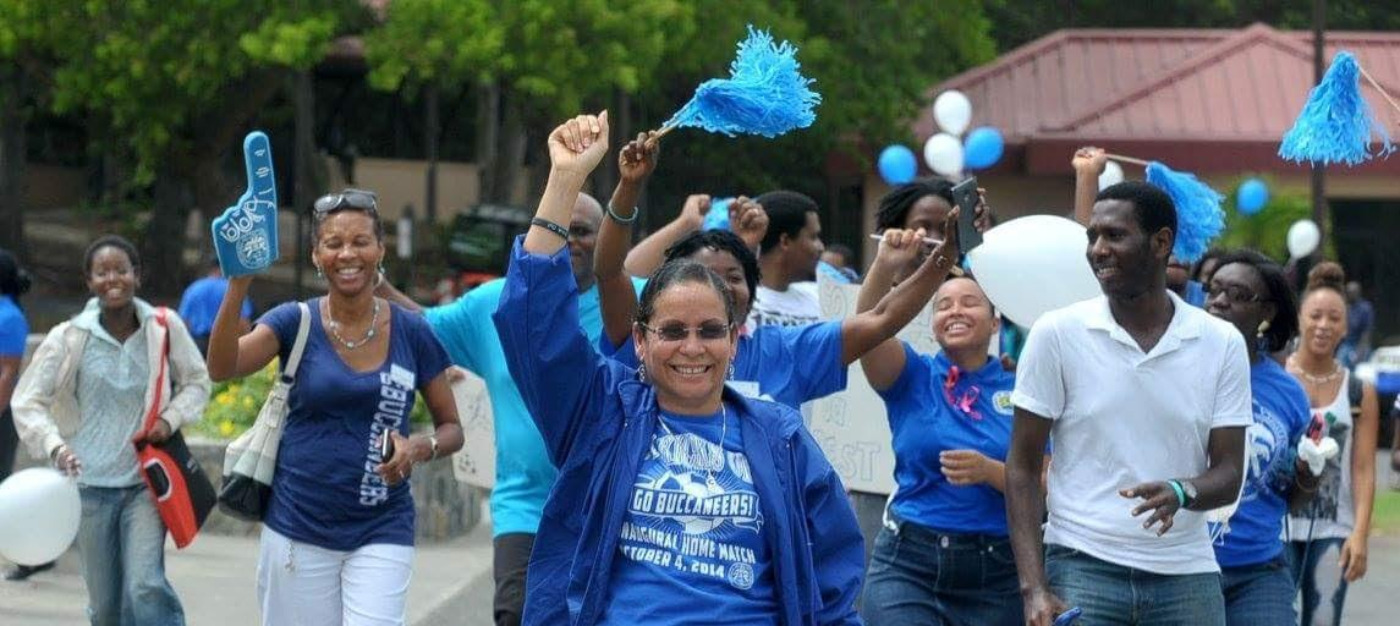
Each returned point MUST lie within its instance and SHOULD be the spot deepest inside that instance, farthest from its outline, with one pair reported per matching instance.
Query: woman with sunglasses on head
(678, 499)
(1251, 292)
(82, 403)
(786, 364)
(1328, 539)
(337, 541)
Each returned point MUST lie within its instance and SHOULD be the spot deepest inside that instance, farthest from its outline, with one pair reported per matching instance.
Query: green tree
(170, 87)
(527, 63)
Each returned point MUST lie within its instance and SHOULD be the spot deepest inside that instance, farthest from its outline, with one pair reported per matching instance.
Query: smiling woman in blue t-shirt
(337, 542)
(1250, 291)
(944, 556)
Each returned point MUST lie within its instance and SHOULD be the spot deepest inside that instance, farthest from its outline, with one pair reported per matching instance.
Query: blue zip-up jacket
(597, 421)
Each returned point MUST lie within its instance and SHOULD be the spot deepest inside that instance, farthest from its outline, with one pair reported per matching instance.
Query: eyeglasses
(1233, 293)
(708, 331)
(358, 199)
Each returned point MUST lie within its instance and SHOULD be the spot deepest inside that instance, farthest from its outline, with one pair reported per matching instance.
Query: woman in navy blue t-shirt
(337, 545)
(944, 556)
(1250, 291)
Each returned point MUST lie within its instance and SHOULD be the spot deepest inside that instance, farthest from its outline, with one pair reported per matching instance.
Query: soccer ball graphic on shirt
(695, 485)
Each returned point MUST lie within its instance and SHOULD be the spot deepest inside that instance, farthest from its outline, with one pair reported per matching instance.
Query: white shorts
(302, 585)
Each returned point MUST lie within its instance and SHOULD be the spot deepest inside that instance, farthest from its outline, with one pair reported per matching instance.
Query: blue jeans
(122, 542)
(1319, 578)
(922, 576)
(1113, 594)
(1259, 594)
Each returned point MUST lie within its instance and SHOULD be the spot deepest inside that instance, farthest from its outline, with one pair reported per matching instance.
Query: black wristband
(551, 227)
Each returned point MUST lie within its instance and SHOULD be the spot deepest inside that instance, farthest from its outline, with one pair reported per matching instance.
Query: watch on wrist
(1190, 491)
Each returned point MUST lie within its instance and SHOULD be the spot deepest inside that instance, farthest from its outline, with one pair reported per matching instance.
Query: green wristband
(1180, 493)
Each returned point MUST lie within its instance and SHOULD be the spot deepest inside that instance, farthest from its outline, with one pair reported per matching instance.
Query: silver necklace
(351, 345)
(1319, 380)
(723, 432)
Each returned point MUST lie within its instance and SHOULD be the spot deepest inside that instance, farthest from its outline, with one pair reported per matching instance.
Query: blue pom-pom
(764, 95)
(1336, 123)
(1199, 218)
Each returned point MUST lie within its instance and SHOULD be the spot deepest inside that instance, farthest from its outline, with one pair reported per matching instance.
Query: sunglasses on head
(358, 199)
(708, 331)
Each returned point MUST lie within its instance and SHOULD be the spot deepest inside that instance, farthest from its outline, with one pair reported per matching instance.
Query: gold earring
(1263, 328)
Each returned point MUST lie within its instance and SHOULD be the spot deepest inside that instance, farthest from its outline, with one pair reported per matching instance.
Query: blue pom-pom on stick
(765, 94)
(1199, 216)
(1336, 123)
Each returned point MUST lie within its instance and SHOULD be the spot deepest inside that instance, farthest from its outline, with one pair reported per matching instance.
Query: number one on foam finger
(245, 236)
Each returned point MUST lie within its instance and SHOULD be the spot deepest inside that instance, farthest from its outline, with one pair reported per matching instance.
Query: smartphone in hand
(966, 198)
(386, 447)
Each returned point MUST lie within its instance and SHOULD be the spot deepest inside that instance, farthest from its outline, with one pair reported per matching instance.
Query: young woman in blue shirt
(337, 542)
(944, 554)
(1250, 291)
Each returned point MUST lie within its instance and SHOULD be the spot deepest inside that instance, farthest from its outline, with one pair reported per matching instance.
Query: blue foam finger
(245, 236)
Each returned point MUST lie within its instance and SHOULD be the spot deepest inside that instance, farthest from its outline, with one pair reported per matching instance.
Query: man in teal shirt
(524, 474)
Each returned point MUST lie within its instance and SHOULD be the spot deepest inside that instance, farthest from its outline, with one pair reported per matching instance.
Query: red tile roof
(1196, 99)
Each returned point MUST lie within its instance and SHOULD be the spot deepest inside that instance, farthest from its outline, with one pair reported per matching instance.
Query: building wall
(400, 182)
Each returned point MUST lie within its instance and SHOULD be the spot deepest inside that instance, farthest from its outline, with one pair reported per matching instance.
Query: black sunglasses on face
(358, 199)
(708, 331)
(1238, 295)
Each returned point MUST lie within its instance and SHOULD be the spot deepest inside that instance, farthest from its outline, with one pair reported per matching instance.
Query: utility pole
(1319, 177)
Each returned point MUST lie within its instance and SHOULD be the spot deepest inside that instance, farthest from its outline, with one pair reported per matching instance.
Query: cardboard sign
(475, 463)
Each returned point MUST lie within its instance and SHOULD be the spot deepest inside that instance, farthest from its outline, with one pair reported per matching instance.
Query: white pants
(302, 585)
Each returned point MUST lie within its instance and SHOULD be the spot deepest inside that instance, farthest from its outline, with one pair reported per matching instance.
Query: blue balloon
(983, 148)
(898, 165)
(1252, 196)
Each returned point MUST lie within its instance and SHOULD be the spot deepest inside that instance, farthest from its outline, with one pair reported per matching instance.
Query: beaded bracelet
(551, 227)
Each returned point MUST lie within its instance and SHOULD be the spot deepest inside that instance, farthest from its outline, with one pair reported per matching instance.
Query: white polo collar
(1186, 324)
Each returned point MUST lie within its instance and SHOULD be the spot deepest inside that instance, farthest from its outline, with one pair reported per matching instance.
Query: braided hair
(895, 205)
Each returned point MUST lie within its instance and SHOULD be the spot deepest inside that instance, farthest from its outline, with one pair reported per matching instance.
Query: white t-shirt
(1332, 514)
(797, 306)
(1123, 418)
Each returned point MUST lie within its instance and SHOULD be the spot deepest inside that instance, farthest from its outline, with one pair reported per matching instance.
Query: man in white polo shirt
(1147, 399)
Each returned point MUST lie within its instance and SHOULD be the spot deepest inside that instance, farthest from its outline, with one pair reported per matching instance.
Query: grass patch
(1385, 518)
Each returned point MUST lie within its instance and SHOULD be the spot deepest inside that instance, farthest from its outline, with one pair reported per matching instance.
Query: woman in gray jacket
(83, 401)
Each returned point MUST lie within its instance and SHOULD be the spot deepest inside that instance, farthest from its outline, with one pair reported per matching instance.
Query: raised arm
(231, 355)
(557, 370)
(617, 299)
(866, 330)
(1089, 163)
(885, 362)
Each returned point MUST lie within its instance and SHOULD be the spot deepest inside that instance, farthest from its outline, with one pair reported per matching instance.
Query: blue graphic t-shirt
(934, 407)
(325, 490)
(694, 535)
(785, 364)
(524, 474)
(1281, 416)
(14, 329)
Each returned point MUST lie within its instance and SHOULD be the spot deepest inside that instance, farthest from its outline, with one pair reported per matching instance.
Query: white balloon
(1112, 175)
(953, 111)
(944, 154)
(1034, 264)
(39, 514)
(1303, 237)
